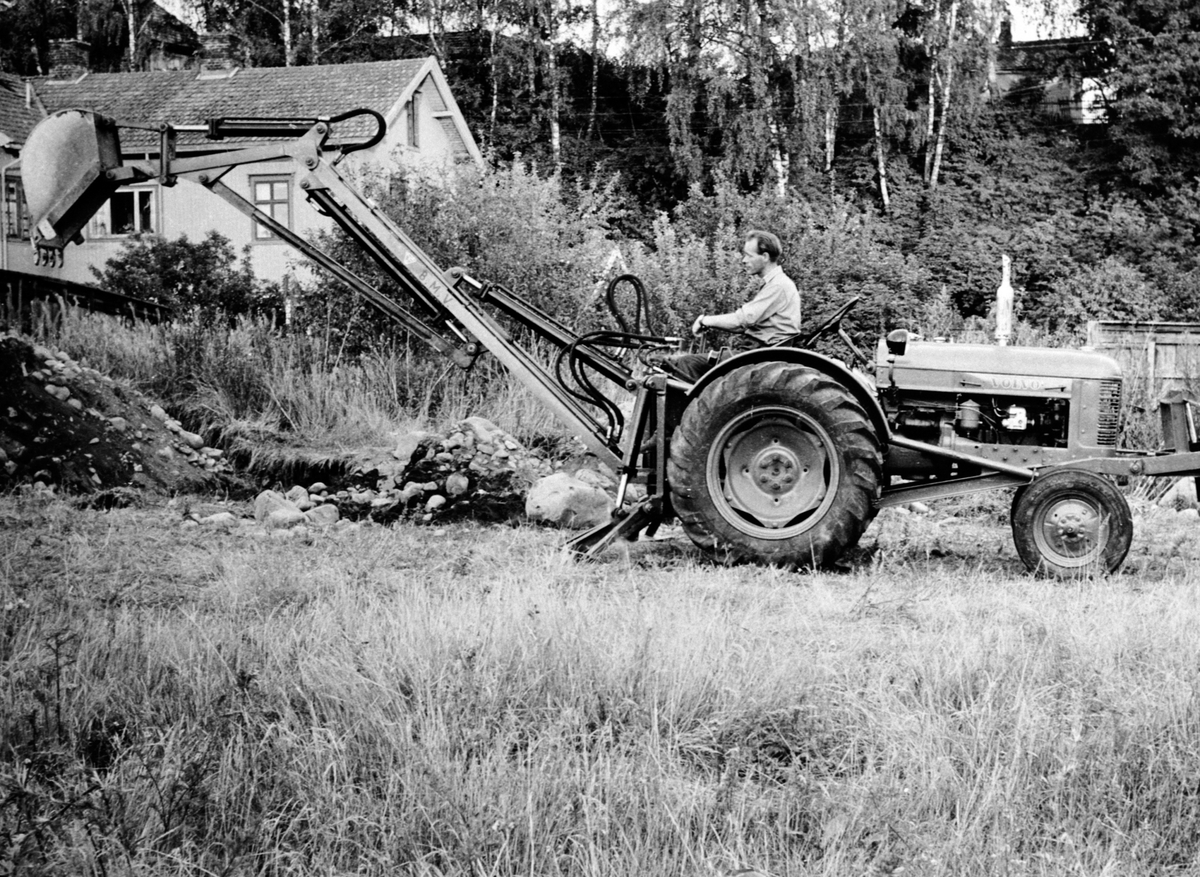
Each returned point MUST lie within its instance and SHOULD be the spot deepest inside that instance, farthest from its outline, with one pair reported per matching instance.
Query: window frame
(412, 132)
(18, 224)
(95, 224)
(259, 233)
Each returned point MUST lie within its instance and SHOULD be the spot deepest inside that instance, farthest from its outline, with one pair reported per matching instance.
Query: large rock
(269, 502)
(565, 501)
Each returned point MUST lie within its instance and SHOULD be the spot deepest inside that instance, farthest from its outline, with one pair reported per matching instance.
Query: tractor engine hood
(989, 369)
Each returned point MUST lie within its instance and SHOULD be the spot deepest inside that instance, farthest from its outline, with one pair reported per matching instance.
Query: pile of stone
(64, 424)
(475, 471)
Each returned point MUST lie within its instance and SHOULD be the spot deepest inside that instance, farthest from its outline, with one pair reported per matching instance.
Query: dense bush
(184, 275)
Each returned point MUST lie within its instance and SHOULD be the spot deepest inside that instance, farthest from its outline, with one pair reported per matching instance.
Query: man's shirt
(771, 316)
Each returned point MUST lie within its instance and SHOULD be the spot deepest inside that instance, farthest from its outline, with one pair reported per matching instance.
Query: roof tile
(185, 98)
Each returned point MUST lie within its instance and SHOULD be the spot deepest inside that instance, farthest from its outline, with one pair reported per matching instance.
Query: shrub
(1108, 290)
(186, 275)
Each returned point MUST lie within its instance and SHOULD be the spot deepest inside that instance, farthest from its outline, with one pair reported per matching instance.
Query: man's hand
(698, 326)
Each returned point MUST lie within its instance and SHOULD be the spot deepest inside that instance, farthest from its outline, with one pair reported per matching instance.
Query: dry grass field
(470, 701)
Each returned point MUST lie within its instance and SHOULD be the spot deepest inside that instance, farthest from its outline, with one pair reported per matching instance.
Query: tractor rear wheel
(775, 463)
(1071, 523)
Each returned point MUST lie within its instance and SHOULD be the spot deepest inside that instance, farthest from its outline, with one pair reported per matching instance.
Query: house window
(414, 126)
(273, 196)
(127, 212)
(16, 213)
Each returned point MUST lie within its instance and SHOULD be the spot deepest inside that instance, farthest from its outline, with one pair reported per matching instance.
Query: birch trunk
(289, 49)
(946, 81)
(931, 98)
(555, 106)
(591, 126)
(132, 23)
(496, 88)
(491, 136)
(881, 162)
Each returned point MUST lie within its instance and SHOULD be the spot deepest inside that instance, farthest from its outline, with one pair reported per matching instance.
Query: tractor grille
(1108, 421)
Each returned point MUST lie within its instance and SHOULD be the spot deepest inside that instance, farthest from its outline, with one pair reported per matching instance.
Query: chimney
(1006, 34)
(216, 53)
(68, 59)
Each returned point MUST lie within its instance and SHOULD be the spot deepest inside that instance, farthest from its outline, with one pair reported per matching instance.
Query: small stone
(501, 454)
(120, 424)
(62, 356)
(512, 445)
(284, 518)
(407, 446)
(486, 448)
(165, 452)
(174, 425)
(157, 412)
(3, 456)
(410, 491)
(1190, 514)
(191, 439)
(483, 428)
(95, 479)
(43, 353)
(435, 502)
(215, 453)
(381, 502)
(318, 487)
(918, 508)
(298, 495)
(76, 404)
(457, 484)
(220, 519)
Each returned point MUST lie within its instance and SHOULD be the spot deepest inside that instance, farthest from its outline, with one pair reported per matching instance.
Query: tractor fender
(834, 369)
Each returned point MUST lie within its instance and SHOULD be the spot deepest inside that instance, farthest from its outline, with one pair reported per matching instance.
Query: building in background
(425, 131)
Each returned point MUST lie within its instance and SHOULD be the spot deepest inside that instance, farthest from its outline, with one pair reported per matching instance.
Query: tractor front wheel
(1071, 523)
(775, 463)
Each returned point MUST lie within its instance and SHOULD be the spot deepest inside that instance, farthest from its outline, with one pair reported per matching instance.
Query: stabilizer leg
(625, 524)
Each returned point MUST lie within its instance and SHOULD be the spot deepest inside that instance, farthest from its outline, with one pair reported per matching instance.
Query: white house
(425, 129)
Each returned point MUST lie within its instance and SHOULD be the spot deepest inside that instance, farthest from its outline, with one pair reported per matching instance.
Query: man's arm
(768, 301)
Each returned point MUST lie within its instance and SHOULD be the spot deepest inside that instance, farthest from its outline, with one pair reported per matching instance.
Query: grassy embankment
(471, 702)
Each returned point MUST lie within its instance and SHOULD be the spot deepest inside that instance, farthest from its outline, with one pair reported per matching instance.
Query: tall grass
(398, 702)
(250, 378)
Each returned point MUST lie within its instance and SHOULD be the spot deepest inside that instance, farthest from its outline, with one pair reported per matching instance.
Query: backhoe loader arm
(74, 165)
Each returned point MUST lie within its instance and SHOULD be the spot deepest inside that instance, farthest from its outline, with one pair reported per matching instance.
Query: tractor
(778, 455)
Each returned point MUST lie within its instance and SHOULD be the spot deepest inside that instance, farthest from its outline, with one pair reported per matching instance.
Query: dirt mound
(67, 426)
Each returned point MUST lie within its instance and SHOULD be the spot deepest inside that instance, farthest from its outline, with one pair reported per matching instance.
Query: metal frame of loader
(452, 320)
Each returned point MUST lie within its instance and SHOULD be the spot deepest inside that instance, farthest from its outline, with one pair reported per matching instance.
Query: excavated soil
(69, 428)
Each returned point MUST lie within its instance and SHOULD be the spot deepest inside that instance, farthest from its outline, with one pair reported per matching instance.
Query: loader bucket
(64, 168)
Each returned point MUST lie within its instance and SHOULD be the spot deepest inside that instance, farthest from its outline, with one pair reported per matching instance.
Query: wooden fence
(19, 291)
(1161, 353)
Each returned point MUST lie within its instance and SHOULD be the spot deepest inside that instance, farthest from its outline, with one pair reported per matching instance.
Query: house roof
(1035, 57)
(189, 98)
(16, 119)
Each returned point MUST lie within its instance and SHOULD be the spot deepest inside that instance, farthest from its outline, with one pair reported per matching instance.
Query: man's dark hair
(767, 243)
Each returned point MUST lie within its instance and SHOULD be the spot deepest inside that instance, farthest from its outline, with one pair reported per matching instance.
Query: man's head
(761, 251)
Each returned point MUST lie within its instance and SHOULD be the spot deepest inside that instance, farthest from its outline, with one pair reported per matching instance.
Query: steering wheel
(830, 325)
